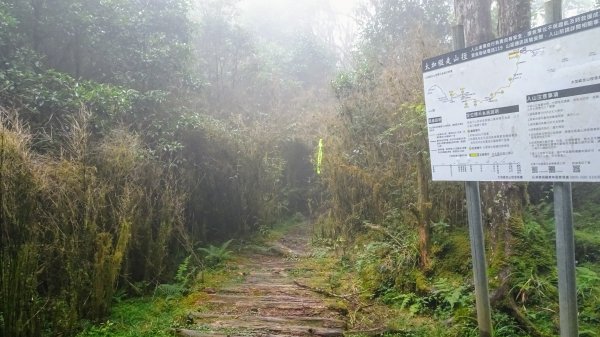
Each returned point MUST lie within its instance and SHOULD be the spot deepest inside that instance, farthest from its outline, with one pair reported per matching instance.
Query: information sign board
(524, 107)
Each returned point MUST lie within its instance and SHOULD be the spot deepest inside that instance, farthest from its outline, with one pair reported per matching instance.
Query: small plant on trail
(215, 256)
(264, 230)
(102, 330)
(450, 296)
(170, 291)
(184, 278)
(409, 301)
(506, 326)
(185, 272)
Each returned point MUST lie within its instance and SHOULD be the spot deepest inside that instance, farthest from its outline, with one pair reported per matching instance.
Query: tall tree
(504, 202)
(476, 17)
(513, 16)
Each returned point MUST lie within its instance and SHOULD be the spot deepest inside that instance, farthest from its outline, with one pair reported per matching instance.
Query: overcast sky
(343, 7)
(334, 19)
(293, 11)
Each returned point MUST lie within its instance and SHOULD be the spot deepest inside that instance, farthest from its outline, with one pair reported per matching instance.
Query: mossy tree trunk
(476, 17)
(513, 16)
(503, 202)
(424, 214)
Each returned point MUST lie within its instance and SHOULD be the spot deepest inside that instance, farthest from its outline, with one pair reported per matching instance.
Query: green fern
(452, 295)
(215, 256)
(169, 290)
(183, 273)
(587, 281)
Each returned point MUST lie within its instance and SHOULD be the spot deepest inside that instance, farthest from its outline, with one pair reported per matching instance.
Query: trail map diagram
(519, 108)
(516, 59)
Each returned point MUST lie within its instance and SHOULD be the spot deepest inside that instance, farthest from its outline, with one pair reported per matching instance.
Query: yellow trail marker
(320, 156)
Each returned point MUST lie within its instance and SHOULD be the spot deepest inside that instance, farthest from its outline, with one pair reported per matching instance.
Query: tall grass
(84, 214)
(77, 223)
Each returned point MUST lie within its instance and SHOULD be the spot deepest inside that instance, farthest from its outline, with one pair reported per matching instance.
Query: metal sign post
(565, 255)
(484, 316)
(482, 300)
(565, 240)
(526, 119)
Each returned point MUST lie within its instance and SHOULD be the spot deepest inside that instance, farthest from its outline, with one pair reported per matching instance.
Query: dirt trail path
(268, 302)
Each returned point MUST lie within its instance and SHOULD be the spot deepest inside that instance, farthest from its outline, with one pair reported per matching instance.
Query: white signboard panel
(521, 108)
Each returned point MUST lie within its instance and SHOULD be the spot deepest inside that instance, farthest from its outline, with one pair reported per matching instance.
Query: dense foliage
(124, 148)
(406, 238)
(408, 242)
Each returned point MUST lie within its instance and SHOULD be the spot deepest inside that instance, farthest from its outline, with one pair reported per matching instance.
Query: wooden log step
(289, 320)
(269, 277)
(274, 327)
(283, 305)
(263, 285)
(266, 273)
(264, 298)
(274, 311)
(276, 264)
(259, 291)
(193, 333)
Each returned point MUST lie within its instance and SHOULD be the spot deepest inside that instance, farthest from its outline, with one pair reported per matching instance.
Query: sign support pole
(565, 254)
(484, 317)
(565, 240)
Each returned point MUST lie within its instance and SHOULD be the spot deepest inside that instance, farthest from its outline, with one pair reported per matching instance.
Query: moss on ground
(145, 317)
(158, 315)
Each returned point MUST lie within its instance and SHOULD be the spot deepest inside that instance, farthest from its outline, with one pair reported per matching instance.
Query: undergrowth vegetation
(391, 292)
(122, 154)
(400, 239)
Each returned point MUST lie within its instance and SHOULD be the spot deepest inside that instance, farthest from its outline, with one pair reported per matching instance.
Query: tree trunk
(36, 39)
(504, 201)
(476, 17)
(424, 214)
(513, 16)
